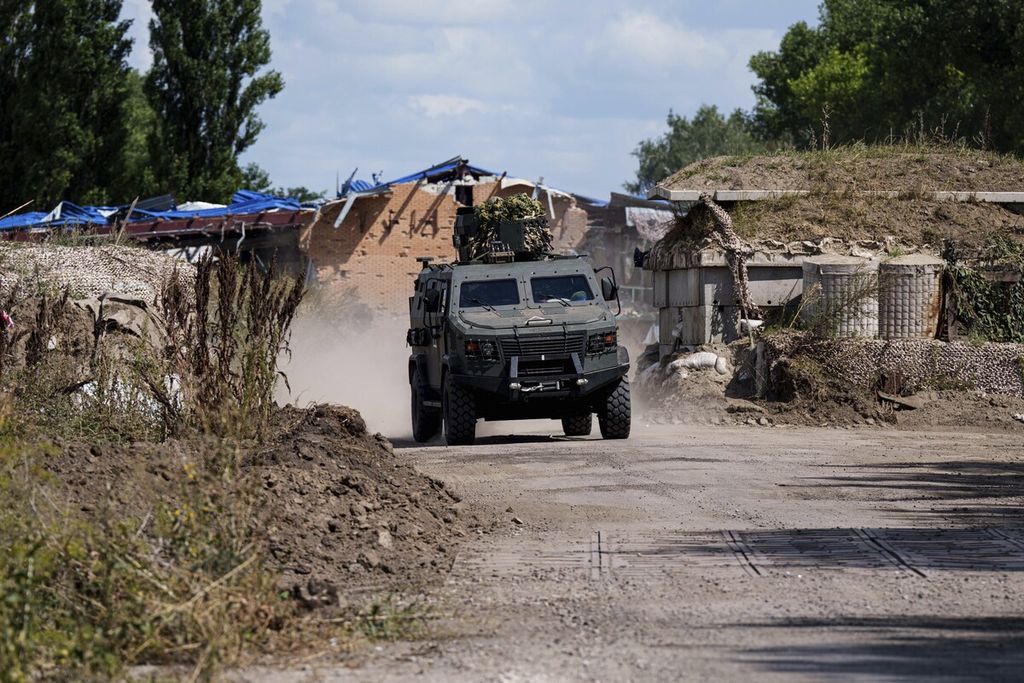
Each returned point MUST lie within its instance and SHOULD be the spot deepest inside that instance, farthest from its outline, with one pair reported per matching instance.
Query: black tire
(578, 425)
(426, 421)
(459, 408)
(614, 416)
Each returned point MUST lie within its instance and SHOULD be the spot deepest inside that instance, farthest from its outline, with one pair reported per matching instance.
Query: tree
(256, 178)
(708, 134)
(63, 119)
(883, 68)
(300, 193)
(205, 86)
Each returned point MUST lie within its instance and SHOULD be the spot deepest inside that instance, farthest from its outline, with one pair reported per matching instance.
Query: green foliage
(66, 113)
(172, 570)
(302, 194)
(990, 310)
(879, 69)
(137, 178)
(256, 178)
(205, 86)
(517, 207)
(83, 597)
(707, 134)
(225, 339)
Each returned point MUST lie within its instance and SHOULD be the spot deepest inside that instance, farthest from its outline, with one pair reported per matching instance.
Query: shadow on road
(496, 440)
(979, 492)
(905, 648)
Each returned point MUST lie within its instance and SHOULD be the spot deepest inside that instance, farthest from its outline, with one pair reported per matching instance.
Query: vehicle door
(437, 324)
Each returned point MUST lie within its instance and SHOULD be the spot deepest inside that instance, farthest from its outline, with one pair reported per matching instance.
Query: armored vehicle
(511, 335)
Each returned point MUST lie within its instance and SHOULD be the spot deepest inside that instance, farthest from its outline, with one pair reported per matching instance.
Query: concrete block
(667, 319)
(775, 285)
(660, 288)
(684, 287)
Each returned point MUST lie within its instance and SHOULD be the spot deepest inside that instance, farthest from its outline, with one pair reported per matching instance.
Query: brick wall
(372, 255)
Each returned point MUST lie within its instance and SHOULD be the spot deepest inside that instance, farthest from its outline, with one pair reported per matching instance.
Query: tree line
(77, 122)
(873, 71)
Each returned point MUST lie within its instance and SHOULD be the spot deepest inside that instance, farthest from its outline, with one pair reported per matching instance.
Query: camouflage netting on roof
(859, 167)
(90, 271)
(840, 203)
(920, 363)
(908, 223)
(491, 214)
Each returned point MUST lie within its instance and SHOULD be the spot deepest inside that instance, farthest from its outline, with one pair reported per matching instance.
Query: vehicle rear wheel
(459, 408)
(426, 421)
(578, 425)
(615, 415)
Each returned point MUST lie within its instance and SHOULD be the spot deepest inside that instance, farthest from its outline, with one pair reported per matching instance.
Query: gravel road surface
(736, 554)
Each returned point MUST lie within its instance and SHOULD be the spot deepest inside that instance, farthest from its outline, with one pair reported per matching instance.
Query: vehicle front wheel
(426, 421)
(578, 425)
(459, 407)
(614, 417)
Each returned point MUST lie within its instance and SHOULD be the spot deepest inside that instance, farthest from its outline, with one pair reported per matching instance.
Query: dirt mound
(338, 509)
(345, 511)
(856, 168)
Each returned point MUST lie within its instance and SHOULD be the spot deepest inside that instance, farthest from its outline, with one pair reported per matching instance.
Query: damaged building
(885, 262)
(363, 245)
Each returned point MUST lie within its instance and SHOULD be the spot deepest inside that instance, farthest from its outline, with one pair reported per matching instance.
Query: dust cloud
(360, 363)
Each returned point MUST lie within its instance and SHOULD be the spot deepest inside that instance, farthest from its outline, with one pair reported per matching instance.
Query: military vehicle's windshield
(484, 293)
(561, 288)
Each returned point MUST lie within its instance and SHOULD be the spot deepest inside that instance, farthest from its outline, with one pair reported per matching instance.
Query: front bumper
(504, 382)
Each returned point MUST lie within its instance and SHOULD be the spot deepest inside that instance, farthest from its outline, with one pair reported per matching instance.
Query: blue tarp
(65, 213)
(430, 174)
(243, 202)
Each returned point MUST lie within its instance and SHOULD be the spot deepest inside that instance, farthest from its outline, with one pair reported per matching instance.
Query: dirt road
(702, 553)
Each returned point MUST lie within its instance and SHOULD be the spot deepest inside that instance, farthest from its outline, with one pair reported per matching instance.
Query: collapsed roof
(442, 179)
(159, 215)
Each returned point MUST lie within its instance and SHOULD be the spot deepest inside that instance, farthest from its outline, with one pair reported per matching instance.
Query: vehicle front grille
(546, 345)
(534, 368)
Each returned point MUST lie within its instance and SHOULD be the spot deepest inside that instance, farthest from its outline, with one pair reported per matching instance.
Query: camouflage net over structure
(90, 271)
(536, 235)
(919, 363)
(736, 254)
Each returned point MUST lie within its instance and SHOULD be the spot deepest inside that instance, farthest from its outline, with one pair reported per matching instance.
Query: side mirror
(432, 301)
(609, 289)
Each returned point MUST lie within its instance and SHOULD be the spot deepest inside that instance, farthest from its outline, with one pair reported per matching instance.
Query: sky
(547, 89)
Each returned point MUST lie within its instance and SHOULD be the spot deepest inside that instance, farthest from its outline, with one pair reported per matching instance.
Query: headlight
(485, 349)
(599, 343)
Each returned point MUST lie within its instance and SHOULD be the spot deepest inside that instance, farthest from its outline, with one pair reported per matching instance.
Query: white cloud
(437, 12)
(435, 106)
(647, 40)
(558, 89)
(140, 12)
